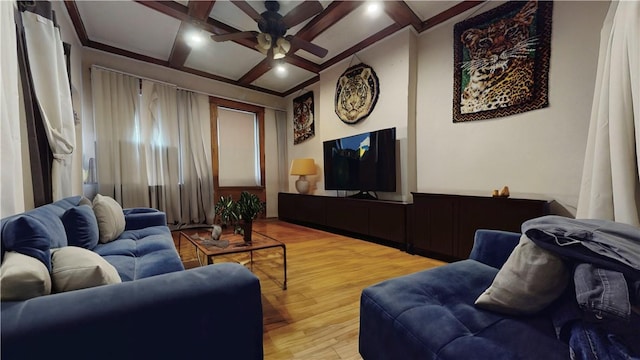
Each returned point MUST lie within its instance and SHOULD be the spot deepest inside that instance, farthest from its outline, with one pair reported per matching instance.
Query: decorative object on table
(303, 167)
(210, 241)
(216, 230)
(502, 193)
(240, 214)
(303, 123)
(357, 92)
(501, 61)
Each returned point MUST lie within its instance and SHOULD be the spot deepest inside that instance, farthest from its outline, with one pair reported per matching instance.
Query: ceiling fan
(272, 39)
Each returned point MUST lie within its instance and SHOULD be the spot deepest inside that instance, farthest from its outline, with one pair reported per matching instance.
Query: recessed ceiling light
(281, 70)
(194, 39)
(374, 8)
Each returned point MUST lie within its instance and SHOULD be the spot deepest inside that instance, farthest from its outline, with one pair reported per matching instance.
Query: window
(237, 147)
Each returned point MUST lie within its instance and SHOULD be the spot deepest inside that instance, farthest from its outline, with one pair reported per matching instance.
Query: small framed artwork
(303, 123)
(501, 61)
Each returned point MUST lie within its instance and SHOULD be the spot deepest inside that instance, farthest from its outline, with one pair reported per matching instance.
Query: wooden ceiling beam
(328, 17)
(198, 12)
(199, 9)
(402, 14)
(169, 8)
(74, 14)
(257, 71)
(449, 13)
(391, 29)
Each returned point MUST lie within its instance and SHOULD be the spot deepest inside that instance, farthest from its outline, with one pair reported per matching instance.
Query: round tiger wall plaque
(356, 93)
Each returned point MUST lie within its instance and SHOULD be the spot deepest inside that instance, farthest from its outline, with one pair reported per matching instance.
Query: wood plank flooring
(317, 317)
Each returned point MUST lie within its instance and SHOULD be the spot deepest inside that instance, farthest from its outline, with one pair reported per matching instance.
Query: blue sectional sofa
(159, 310)
(564, 286)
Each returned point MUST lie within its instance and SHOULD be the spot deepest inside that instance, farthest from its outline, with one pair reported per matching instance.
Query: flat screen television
(364, 162)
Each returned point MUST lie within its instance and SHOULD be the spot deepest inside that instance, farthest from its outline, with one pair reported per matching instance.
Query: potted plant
(240, 214)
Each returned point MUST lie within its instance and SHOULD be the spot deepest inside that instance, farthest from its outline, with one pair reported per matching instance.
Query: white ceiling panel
(225, 59)
(226, 12)
(283, 81)
(343, 35)
(428, 9)
(118, 24)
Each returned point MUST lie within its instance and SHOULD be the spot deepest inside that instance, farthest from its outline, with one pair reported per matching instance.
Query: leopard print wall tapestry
(303, 123)
(501, 61)
(356, 93)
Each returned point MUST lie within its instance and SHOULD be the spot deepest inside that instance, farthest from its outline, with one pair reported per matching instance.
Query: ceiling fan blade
(301, 13)
(247, 9)
(307, 46)
(234, 36)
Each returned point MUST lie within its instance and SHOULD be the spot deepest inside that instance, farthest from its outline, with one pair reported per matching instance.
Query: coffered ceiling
(161, 32)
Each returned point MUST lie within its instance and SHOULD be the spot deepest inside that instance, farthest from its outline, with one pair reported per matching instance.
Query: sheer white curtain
(160, 134)
(120, 159)
(11, 189)
(48, 69)
(610, 186)
(195, 152)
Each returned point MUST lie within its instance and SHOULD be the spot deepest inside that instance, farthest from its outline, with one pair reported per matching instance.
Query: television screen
(364, 162)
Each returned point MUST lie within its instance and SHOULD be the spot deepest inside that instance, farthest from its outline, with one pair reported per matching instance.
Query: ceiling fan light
(277, 54)
(264, 41)
(283, 45)
(262, 50)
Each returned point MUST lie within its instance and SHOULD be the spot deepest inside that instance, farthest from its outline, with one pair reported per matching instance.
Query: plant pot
(247, 227)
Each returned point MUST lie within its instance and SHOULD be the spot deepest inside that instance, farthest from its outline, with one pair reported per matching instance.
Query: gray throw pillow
(76, 268)
(23, 277)
(529, 280)
(109, 216)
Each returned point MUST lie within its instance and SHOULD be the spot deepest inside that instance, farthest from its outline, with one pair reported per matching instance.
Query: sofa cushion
(23, 277)
(81, 226)
(110, 218)
(529, 281)
(138, 254)
(29, 236)
(431, 314)
(77, 268)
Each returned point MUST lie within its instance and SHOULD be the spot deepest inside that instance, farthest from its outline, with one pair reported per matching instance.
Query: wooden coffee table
(236, 245)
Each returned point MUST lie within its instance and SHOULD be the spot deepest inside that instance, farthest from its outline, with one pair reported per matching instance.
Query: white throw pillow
(110, 218)
(76, 268)
(23, 277)
(529, 281)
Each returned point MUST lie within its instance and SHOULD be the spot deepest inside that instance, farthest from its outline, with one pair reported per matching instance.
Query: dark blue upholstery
(81, 227)
(431, 314)
(159, 311)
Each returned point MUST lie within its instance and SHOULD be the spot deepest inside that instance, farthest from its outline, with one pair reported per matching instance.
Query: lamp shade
(303, 167)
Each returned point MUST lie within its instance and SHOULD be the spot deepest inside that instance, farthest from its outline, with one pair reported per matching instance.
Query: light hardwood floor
(317, 317)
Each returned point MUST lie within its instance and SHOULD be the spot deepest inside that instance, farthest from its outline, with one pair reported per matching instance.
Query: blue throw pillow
(29, 236)
(81, 227)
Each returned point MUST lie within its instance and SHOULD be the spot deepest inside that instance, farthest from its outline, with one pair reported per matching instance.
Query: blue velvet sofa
(158, 311)
(431, 314)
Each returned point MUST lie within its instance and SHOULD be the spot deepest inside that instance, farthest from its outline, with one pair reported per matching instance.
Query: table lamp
(303, 167)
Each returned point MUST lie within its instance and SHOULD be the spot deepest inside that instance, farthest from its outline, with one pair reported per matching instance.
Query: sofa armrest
(211, 310)
(493, 247)
(140, 218)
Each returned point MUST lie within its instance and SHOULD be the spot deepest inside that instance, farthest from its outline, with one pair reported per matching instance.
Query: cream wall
(539, 152)
(391, 61)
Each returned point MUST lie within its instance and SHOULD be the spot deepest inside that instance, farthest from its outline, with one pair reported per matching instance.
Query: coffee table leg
(284, 256)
